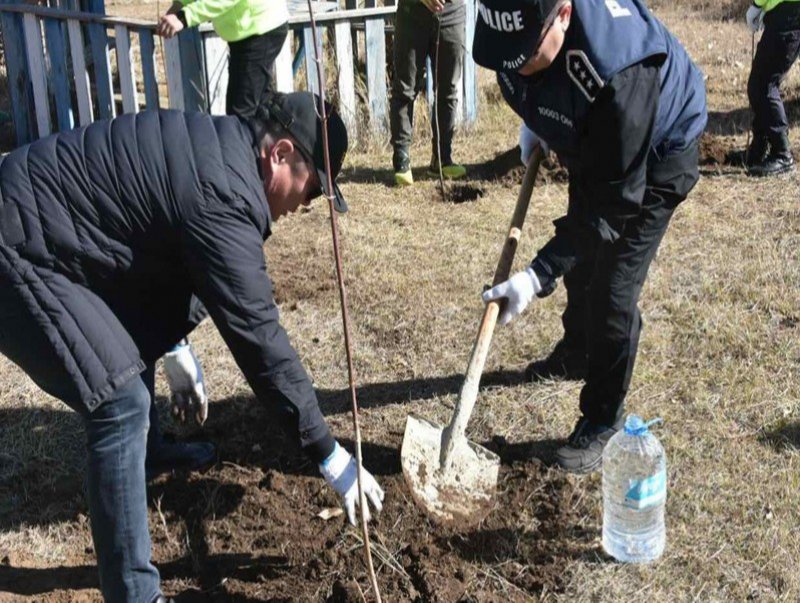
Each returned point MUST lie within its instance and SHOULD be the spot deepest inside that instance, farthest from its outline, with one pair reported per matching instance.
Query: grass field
(719, 361)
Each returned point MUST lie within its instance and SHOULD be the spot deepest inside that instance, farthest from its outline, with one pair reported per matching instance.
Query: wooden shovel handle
(469, 390)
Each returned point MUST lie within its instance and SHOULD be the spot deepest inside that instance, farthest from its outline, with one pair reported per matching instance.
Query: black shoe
(583, 452)
(163, 599)
(756, 153)
(171, 456)
(566, 361)
(778, 161)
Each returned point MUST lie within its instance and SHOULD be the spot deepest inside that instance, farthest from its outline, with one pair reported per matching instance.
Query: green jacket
(768, 5)
(236, 20)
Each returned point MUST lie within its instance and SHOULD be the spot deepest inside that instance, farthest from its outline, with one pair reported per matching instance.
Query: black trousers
(414, 41)
(250, 67)
(777, 51)
(602, 313)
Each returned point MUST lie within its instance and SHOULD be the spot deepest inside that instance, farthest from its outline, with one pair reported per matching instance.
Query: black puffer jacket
(107, 233)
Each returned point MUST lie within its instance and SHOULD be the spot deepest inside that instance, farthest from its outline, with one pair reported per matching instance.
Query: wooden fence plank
(80, 74)
(17, 73)
(376, 72)
(36, 67)
(346, 80)
(216, 53)
(148, 52)
(59, 79)
(127, 78)
(194, 79)
(172, 60)
(101, 60)
(284, 76)
(311, 63)
(470, 78)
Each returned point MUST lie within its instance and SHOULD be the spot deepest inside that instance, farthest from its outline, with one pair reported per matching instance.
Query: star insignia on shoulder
(581, 71)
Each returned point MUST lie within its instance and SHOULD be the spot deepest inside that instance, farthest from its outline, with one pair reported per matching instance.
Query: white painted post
(376, 72)
(36, 68)
(127, 78)
(346, 83)
(216, 51)
(284, 78)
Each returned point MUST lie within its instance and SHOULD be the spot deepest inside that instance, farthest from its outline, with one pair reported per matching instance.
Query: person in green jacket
(770, 153)
(255, 31)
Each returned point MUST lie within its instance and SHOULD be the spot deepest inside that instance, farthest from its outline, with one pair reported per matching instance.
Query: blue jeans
(116, 434)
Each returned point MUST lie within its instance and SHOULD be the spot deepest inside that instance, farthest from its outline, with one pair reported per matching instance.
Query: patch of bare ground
(718, 361)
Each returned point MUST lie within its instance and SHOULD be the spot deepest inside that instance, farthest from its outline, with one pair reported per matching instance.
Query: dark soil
(251, 528)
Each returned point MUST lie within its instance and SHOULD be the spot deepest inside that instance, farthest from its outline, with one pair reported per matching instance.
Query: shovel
(451, 478)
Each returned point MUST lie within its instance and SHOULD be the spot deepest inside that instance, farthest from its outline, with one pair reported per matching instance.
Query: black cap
(507, 32)
(298, 114)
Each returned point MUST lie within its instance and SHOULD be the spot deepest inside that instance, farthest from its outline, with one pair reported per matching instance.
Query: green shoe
(402, 167)
(450, 171)
(404, 178)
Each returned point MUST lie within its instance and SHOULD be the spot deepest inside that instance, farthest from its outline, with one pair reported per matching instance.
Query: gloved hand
(341, 472)
(755, 18)
(528, 141)
(185, 379)
(519, 290)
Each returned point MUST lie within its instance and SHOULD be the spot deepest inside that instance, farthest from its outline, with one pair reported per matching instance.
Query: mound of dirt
(254, 533)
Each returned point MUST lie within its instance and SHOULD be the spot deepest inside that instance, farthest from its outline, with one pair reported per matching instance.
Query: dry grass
(718, 360)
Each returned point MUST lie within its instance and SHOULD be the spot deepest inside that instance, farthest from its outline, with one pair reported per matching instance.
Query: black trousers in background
(777, 51)
(250, 67)
(603, 290)
(414, 41)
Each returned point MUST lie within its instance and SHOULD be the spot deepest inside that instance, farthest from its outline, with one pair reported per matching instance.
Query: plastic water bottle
(634, 493)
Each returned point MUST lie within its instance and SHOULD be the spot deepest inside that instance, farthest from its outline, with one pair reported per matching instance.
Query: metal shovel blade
(461, 494)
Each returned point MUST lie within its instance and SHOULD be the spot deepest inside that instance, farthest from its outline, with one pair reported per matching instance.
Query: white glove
(755, 18)
(519, 290)
(341, 472)
(185, 379)
(528, 140)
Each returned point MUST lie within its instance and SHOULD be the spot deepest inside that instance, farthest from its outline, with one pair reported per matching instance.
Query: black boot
(778, 161)
(583, 452)
(756, 153)
(566, 361)
(168, 455)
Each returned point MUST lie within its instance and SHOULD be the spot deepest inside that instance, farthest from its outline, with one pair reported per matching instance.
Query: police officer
(255, 31)
(614, 94)
(770, 152)
(96, 224)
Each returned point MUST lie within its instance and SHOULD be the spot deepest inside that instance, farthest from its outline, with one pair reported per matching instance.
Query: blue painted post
(194, 89)
(59, 80)
(18, 78)
(148, 49)
(98, 41)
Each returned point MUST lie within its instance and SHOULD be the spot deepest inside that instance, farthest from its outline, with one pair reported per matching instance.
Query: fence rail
(66, 68)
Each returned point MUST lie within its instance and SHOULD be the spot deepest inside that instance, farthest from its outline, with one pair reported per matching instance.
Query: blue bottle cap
(635, 426)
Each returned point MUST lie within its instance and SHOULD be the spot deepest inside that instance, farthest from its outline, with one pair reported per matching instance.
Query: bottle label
(647, 492)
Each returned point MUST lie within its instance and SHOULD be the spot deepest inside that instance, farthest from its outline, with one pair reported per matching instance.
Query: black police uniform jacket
(109, 231)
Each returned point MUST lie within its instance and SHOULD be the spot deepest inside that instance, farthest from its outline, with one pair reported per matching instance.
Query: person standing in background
(769, 152)
(255, 31)
(418, 26)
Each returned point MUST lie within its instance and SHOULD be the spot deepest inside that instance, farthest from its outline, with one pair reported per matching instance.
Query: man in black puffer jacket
(100, 223)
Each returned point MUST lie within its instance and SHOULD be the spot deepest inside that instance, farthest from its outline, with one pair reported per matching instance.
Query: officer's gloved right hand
(755, 18)
(341, 472)
(519, 290)
(528, 140)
